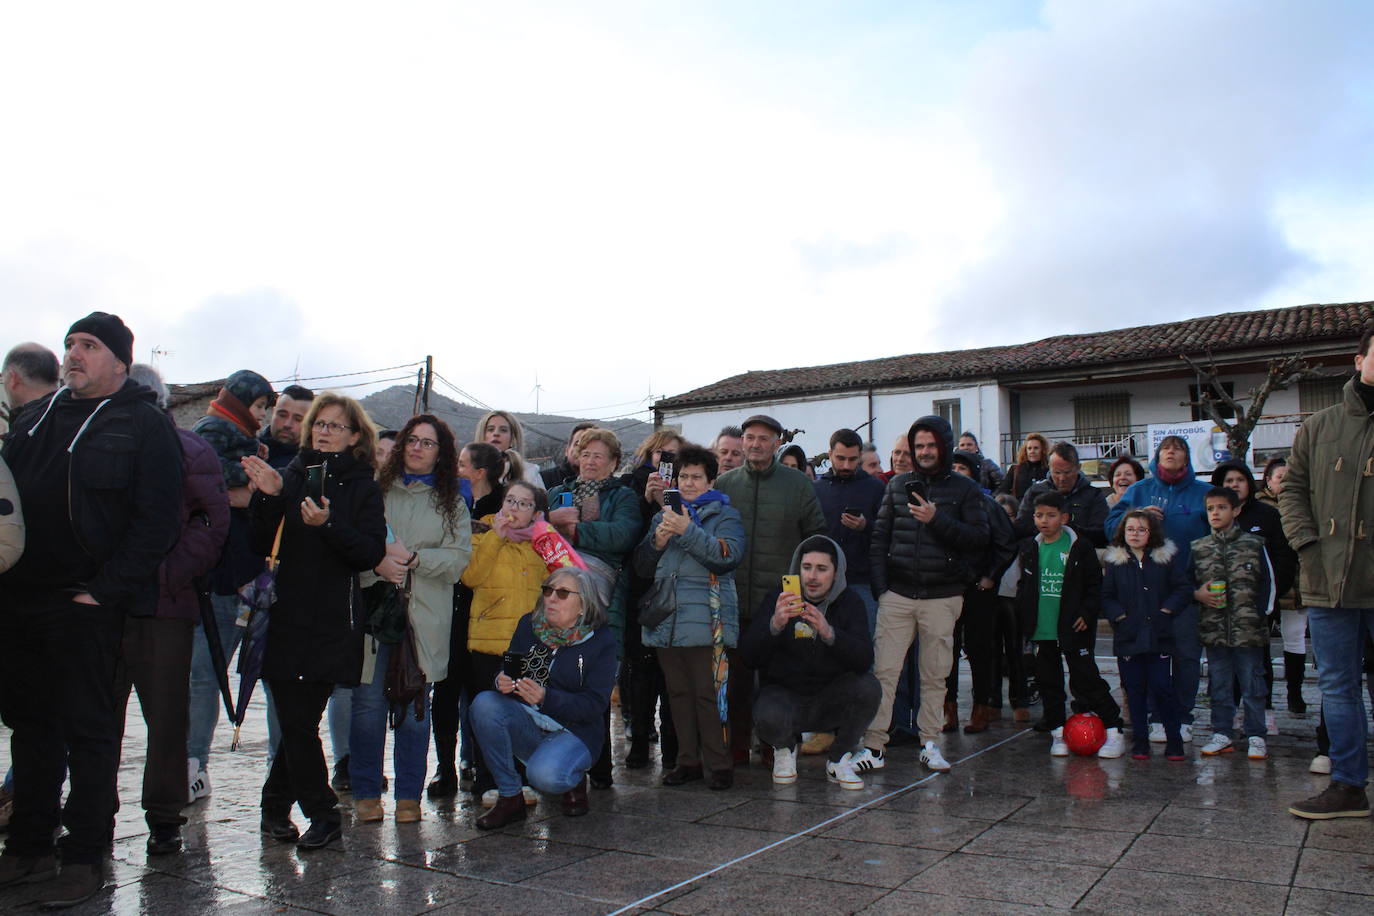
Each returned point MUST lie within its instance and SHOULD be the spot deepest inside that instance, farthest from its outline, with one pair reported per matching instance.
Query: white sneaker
(1271, 724)
(1219, 744)
(1114, 746)
(1257, 749)
(933, 759)
(198, 785)
(1057, 746)
(1157, 735)
(841, 771)
(868, 759)
(1185, 732)
(1321, 765)
(785, 766)
(490, 796)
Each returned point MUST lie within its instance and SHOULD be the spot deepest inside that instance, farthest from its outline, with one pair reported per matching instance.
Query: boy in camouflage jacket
(1235, 590)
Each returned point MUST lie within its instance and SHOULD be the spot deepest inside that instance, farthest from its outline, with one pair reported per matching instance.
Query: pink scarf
(521, 535)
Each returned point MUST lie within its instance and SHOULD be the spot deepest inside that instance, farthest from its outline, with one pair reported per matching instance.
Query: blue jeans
(205, 700)
(1226, 665)
(367, 737)
(870, 604)
(554, 761)
(1338, 636)
(1187, 656)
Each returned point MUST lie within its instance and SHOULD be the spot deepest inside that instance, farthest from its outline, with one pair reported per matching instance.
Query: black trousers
(155, 660)
(1090, 691)
(1010, 659)
(846, 706)
(57, 693)
(446, 704)
(976, 634)
(299, 773)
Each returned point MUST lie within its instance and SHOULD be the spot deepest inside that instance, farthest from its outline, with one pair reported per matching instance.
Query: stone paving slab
(1009, 830)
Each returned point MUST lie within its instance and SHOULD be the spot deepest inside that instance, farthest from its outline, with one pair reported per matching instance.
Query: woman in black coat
(330, 513)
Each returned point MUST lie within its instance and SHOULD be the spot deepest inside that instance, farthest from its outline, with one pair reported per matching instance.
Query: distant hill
(545, 434)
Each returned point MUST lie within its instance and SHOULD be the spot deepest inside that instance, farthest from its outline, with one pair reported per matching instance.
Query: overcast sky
(635, 197)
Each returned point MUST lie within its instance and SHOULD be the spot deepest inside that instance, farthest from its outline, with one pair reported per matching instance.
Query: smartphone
(666, 460)
(850, 510)
(792, 585)
(314, 483)
(565, 500)
(513, 665)
(673, 499)
(916, 488)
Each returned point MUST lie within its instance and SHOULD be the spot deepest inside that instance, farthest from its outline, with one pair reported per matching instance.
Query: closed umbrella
(257, 596)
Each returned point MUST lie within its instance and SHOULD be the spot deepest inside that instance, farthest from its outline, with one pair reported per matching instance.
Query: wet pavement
(1009, 830)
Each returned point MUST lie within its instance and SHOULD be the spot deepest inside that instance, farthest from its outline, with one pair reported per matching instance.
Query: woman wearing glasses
(329, 510)
(504, 575)
(430, 539)
(551, 714)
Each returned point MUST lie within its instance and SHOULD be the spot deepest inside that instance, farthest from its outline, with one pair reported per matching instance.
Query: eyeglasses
(562, 593)
(325, 426)
(425, 444)
(518, 503)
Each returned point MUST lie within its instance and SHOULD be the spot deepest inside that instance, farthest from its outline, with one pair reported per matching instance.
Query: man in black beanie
(98, 466)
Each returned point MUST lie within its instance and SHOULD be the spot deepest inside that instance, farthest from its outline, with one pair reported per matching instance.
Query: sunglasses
(562, 593)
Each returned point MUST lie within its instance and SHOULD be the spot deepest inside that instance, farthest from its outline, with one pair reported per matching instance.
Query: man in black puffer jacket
(930, 532)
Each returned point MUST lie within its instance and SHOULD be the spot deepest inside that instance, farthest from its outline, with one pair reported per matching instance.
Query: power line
(376, 381)
(316, 378)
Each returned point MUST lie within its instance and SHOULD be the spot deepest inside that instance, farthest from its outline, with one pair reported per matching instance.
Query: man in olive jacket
(779, 508)
(1327, 505)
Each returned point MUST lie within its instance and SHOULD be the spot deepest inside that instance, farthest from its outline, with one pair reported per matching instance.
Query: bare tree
(1214, 401)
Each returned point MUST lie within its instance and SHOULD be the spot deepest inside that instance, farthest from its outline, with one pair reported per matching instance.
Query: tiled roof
(1217, 333)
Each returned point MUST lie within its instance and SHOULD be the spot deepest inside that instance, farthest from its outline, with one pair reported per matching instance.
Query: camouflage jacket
(1239, 560)
(230, 444)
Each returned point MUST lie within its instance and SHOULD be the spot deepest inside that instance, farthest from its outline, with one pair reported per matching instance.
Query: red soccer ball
(1085, 734)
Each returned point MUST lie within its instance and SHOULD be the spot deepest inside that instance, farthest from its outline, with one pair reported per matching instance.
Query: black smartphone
(513, 665)
(673, 499)
(850, 510)
(916, 488)
(314, 483)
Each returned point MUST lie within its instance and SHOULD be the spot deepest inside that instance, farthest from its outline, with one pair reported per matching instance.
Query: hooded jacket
(1183, 503)
(1328, 503)
(1238, 559)
(808, 665)
(1087, 506)
(107, 473)
(1079, 597)
(204, 525)
(861, 491)
(713, 547)
(1141, 597)
(779, 510)
(1263, 520)
(11, 520)
(938, 559)
(315, 632)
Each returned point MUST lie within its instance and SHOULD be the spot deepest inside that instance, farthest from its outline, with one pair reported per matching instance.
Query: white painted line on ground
(801, 833)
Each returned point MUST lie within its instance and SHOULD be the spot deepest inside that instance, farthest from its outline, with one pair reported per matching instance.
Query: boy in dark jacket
(813, 653)
(1235, 591)
(1057, 602)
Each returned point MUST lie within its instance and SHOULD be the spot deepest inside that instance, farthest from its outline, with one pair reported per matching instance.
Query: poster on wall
(1206, 441)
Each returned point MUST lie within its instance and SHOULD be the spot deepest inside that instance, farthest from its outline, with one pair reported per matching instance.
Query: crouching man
(814, 656)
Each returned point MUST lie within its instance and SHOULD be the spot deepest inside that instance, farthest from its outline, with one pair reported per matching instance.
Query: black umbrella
(259, 595)
(207, 621)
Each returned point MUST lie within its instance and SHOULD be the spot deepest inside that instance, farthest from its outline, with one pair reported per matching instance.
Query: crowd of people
(746, 608)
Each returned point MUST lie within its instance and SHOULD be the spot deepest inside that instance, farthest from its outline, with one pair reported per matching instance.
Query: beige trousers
(930, 620)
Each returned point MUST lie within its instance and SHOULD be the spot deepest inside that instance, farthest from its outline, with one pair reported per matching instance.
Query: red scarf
(1170, 477)
(228, 406)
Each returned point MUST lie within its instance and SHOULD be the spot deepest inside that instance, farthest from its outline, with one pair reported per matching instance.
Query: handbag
(404, 683)
(388, 610)
(659, 602)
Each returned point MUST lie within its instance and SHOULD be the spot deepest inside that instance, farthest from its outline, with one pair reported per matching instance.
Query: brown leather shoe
(575, 800)
(408, 812)
(507, 810)
(722, 779)
(978, 721)
(951, 718)
(368, 810)
(679, 775)
(1021, 716)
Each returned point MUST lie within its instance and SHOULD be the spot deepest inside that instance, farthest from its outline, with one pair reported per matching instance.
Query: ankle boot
(575, 800)
(507, 810)
(978, 720)
(1294, 668)
(951, 717)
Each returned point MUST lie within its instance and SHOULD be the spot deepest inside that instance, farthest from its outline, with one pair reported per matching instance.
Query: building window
(949, 412)
(1319, 393)
(1223, 408)
(1101, 418)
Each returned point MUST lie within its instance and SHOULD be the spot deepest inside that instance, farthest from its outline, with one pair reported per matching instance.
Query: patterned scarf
(553, 637)
(585, 490)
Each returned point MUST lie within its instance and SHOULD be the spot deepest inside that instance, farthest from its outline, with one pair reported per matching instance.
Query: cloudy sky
(646, 197)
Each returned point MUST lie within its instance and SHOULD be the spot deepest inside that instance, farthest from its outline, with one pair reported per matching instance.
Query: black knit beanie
(110, 331)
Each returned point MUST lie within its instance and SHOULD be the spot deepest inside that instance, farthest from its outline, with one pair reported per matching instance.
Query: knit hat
(967, 459)
(248, 386)
(109, 330)
(760, 419)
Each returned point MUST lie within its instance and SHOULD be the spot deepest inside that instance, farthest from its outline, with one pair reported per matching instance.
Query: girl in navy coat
(1145, 583)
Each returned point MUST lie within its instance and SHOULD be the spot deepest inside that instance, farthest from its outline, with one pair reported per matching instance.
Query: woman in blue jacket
(552, 716)
(1145, 585)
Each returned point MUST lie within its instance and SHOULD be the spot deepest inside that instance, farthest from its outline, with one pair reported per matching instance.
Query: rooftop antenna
(158, 352)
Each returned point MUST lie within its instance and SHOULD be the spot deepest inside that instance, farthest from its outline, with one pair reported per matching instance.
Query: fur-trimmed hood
(1163, 554)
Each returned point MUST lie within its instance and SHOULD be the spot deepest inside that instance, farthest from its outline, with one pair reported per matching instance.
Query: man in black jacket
(1087, 503)
(850, 497)
(813, 655)
(101, 465)
(931, 530)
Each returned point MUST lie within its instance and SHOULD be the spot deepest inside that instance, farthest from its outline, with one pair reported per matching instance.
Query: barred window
(1099, 417)
(1319, 393)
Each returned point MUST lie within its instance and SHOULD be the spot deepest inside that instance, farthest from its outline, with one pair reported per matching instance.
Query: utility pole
(429, 382)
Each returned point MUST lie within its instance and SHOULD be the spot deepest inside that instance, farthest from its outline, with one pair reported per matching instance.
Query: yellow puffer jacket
(504, 577)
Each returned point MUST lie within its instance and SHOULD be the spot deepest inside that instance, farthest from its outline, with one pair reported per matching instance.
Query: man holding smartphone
(930, 531)
(850, 497)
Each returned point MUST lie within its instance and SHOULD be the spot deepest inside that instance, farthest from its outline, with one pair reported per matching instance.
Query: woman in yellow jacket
(504, 574)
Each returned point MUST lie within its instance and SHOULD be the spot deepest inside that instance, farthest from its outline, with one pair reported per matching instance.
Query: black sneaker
(164, 840)
(1339, 800)
(76, 883)
(341, 782)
